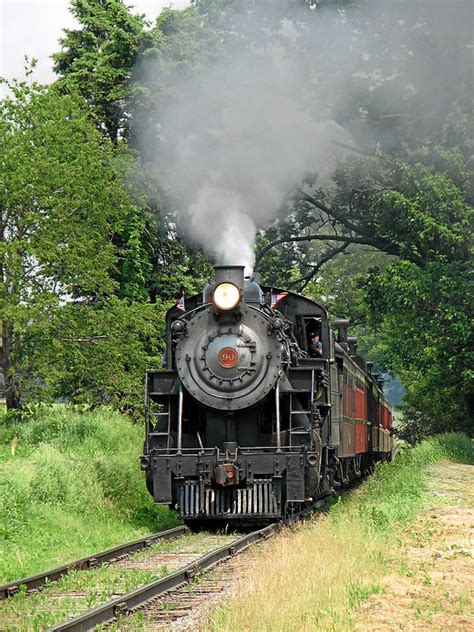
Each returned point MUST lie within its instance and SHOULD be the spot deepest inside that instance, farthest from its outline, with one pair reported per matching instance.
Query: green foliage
(341, 285)
(61, 193)
(64, 203)
(358, 593)
(285, 265)
(126, 73)
(411, 204)
(83, 255)
(71, 473)
(411, 199)
(180, 270)
(413, 312)
(173, 53)
(97, 59)
(96, 353)
(424, 333)
(394, 494)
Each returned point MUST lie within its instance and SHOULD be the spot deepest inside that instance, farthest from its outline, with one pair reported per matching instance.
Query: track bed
(79, 591)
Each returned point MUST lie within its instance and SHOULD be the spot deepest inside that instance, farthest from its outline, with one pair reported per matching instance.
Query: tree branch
(91, 340)
(365, 236)
(356, 150)
(330, 255)
(332, 212)
(389, 248)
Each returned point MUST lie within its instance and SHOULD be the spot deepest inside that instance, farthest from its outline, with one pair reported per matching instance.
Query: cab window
(314, 343)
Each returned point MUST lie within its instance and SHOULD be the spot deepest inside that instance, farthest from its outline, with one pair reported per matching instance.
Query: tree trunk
(11, 385)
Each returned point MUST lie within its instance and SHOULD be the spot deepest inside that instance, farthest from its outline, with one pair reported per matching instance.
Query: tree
(341, 285)
(171, 58)
(97, 59)
(393, 76)
(424, 335)
(61, 197)
(95, 352)
(112, 61)
(415, 311)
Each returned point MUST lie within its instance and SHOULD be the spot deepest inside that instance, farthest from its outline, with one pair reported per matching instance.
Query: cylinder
(341, 325)
(230, 274)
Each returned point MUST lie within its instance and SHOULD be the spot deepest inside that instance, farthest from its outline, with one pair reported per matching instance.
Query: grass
(70, 485)
(313, 577)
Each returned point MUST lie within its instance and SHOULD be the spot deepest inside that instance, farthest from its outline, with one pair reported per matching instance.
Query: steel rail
(125, 604)
(92, 561)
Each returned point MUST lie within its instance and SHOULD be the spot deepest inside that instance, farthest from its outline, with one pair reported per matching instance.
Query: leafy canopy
(62, 200)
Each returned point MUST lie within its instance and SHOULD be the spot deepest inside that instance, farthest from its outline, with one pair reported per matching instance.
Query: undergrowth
(70, 485)
(313, 577)
(395, 493)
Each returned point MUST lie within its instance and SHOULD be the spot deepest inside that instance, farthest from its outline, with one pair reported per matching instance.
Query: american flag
(276, 298)
(180, 304)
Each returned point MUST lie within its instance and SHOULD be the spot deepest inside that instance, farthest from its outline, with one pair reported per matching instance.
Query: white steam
(243, 132)
(238, 146)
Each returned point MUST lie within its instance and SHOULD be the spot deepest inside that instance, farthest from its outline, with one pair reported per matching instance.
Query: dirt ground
(431, 583)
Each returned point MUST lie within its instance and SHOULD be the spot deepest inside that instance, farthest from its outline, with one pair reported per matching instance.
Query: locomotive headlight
(226, 296)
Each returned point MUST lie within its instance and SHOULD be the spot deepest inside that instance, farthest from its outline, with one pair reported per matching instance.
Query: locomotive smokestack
(230, 274)
(224, 274)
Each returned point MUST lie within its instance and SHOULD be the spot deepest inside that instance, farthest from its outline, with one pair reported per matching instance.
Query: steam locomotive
(261, 409)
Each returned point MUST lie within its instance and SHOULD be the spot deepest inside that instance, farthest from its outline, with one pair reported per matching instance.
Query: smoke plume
(251, 124)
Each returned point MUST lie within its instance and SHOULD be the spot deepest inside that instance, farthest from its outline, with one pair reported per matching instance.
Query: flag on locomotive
(277, 297)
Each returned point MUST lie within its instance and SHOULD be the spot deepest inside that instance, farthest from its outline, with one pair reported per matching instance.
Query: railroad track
(114, 588)
(126, 604)
(162, 600)
(35, 582)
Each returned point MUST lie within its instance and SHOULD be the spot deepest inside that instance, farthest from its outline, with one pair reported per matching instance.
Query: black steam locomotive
(259, 411)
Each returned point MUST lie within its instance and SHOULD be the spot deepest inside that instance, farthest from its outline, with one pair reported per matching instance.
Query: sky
(33, 27)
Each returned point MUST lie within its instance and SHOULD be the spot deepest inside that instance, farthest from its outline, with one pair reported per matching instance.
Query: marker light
(226, 296)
